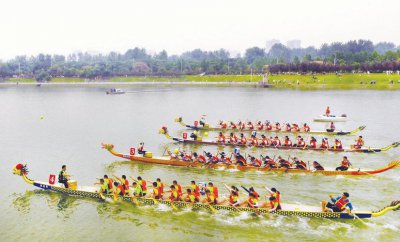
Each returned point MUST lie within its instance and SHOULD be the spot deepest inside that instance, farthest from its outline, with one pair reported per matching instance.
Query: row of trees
(353, 55)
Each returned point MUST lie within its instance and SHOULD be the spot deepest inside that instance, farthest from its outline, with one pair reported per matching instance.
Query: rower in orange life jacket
(119, 189)
(142, 183)
(210, 198)
(253, 198)
(243, 139)
(191, 196)
(287, 142)
(338, 144)
(301, 142)
(328, 111)
(269, 162)
(221, 137)
(332, 127)
(313, 143)
(300, 164)
(264, 140)
(275, 199)
(360, 143)
(255, 162)
(213, 189)
(295, 128)
(233, 125)
(288, 128)
(160, 187)
(242, 126)
(156, 191)
(254, 140)
(268, 125)
(338, 204)
(198, 158)
(223, 125)
(250, 125)
(325, 144)
(233, 138)
(260, 126)
(240, 160)
(306, 128)
(177, 187)
(276, 142)
(278, 126)
(284, 163)
(174, 194)
(344, 165)
(195, 188)
(317, 166)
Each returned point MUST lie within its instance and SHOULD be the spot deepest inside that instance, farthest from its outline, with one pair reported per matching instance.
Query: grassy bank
(304, 82)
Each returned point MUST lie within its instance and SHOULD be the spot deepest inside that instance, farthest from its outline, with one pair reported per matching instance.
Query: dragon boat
(287, 209)
(168, 160)
(207, 127)
(199, 141)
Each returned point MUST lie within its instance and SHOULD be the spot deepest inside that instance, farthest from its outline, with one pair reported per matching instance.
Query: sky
(64, 26)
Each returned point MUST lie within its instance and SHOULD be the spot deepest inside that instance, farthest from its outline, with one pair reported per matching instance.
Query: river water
(76, 120)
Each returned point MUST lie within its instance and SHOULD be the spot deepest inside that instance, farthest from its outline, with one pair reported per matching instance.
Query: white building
(294, 44)
(271, 43)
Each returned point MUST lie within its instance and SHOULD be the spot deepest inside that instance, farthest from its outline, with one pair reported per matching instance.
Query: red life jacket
(264, 141)
(121, 188)
(201, 159)
(233, 139)
(278, 127)
(345, 163)
(174, 196)
(178, 189)
(325, 144)
(215, 191)
(221, 138)
(313, 144)
(257, 161)
(301, 143)
(224, 125)
(360, 142)
(277, 142)
(251, 126)
(243, 140)
(339, 145)
(341, 203)
(288, 128)
(260, 127)
(195, 190)
(233, 126)
(142, 183)
(285, 162)
(269, 127)
(307, 128)
(254, 141)
(160, 187)
(332, 126)
(288, 142)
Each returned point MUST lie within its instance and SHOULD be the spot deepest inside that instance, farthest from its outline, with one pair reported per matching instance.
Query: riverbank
(380, 81)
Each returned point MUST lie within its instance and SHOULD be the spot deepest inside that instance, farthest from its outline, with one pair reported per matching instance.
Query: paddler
(198, 158)
(174, 194)
(260, 125)
(140, 149)
(288, 128)
(103, 187)
(195, 188)
(313, 143)
(191, 196)
(327, 112)
(160, 187)
(240, 160)
(274, 199)
(233, 199)
(301, 142)
(324, 143)
(63, 176)
(222, 124)
(268, 125)
(277, 126)
(109, 182)
(359, 143)
(137, 190)
(338, 204)
(254, 140)
(156, 191)
(276, 142)
(317, 166)
(269, 162)
(124, 182)
(344, 165)
(178, 187)
(221, 138)
(242, 125)
(193, 135)
(306, 128)
(287, 142)
(210, 198)
(284, 163)
(252, 201)
(233, 138)
(338, 145)
(264, 141)
(213, 189)
(187, 156)
(331, 127)
(295, 127)
(255, 161)
(301, 165)
(250, 125)
(233, 125)
(243, 139)
(119, 189)
(142, 184)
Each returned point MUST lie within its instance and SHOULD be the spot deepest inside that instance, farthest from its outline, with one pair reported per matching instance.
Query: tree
(42, 76)
(253, 53)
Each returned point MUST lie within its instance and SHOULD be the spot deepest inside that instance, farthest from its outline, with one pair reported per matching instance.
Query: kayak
(330, 118)
(167, 160)
(207, 127)
(199, 140)
(287, 209)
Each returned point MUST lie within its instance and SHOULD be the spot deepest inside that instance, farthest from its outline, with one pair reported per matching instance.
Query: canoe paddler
(199, 158)
(295, 127)
(324, 143)
(160, 187)
(140, 149)
(255, 161)
(274, 199)
(327, 112)
(265, 141)
(269, 162)
(301, 165)
(306, 128)
(222, 124)
(210, 198)
(195, 188)
(288, 127)
(344, 164)
(254, 140)
(233, 125)
(221, 138)
(268, 125)
(240, 160)
(63, 176)
(331, 127)
(191, 196)
(119, 189)
(155, 193)
(213, 189)
(242, 125)
(136, 190)
(178, 187)
(338, 145)
(233, 199)
(109, 182)
(338, 204)
(313, 143)
(250, 125)
(233, 138)
(174, 194)
(243, 139)
(193, 135)
(276, 142)
(359, 143)
(103, 187)
(317, 166)
(277, 126)
(284, 163)
(301, 142)
(124, 182)
(287, 142)
(260, 125)
(142, 184)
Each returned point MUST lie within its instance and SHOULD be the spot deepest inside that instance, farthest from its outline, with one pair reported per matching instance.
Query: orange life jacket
(307, 128)
(221, 138)
(269, 127)
(142, 183)
(224, 125)
(254, 141)
(121, 189)
(195, 189)
(313, 144)
(341, 203)
(178, 189)
(345, 163)
(338, 144)
(288, 142)
(243, 140)
(233, 139)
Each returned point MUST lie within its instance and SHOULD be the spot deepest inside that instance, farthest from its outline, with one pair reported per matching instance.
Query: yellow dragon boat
(167, 160)
(207, 127)
(287, 209)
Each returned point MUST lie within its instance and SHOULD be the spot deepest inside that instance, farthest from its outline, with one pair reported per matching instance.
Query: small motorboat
(331, 118)
(115, 91)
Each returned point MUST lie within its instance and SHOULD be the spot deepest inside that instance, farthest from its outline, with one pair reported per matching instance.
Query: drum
(72, 184)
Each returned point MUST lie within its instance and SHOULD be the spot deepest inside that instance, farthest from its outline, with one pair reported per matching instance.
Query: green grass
(20, 80)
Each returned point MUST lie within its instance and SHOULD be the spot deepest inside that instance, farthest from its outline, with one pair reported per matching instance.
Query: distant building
(294, 44)
(271, 43)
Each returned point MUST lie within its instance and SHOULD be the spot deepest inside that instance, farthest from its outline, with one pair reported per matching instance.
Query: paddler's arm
(228, 188)
(117, 178)
(133, 178)
(350, 206)
(269, 190)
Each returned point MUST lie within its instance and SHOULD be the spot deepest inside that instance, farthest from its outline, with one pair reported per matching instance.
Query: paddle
(172, 205)
(211, 207)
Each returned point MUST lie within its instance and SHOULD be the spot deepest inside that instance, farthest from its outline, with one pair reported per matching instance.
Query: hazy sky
(65, 26)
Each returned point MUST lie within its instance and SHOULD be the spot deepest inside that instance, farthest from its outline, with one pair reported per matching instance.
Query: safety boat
(200, 141)
(168, 160)
(331, 118)
(115, 91)
(287, 209)
(205, 126)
